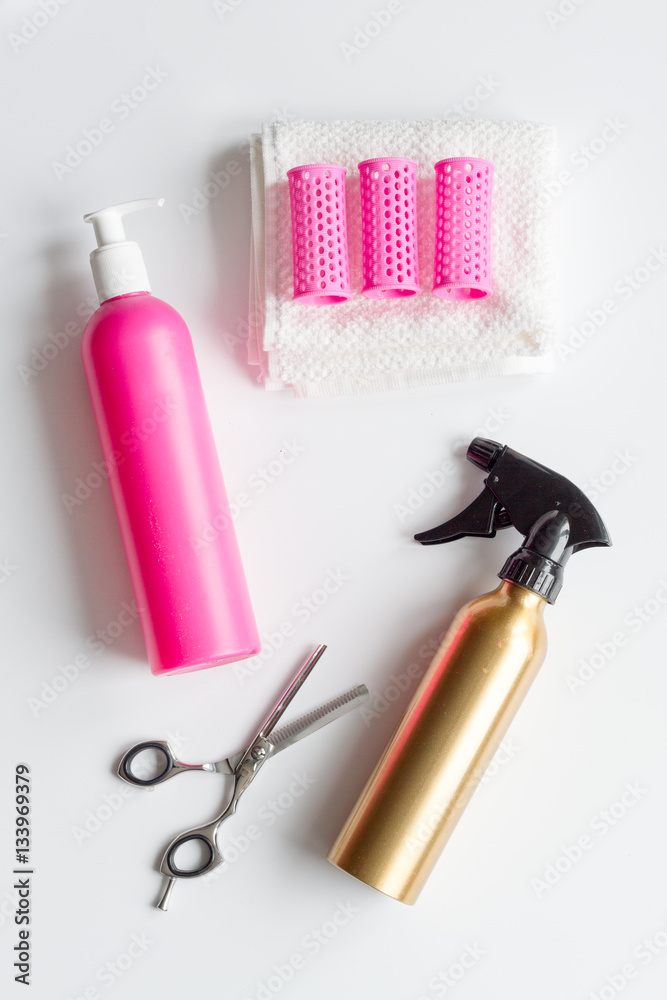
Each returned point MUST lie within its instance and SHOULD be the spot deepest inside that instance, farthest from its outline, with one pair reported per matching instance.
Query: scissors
(244, 766)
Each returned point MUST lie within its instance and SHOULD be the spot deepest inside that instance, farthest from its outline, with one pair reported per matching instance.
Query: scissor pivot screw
(258, 753)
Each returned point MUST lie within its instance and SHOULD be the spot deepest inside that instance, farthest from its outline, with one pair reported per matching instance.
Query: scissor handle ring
(190, 872)
(125, 770)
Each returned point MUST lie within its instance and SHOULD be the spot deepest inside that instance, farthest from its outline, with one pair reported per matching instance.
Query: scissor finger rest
(125, 768)
(206, 835)
(211, 852)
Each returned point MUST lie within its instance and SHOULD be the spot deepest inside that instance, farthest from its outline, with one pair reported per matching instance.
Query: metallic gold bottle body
(444, 743)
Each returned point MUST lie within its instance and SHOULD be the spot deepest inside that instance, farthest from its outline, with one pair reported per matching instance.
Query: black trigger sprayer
(477, 679)
(556, 518)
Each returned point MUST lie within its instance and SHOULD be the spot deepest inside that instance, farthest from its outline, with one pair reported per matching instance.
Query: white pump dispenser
(117, 263)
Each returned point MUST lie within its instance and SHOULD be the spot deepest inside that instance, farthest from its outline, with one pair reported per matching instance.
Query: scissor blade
(289, 693)
(310, 723)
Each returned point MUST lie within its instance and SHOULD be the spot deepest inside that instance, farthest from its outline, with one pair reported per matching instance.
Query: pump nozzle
(555, 516)
(117, 263)
(108, 222)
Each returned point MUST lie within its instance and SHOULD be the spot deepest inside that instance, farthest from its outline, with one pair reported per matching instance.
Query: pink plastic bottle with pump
(163, 466)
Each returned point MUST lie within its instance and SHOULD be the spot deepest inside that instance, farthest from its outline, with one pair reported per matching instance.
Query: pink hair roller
(463, 228)
(319, 234)
(389, 227)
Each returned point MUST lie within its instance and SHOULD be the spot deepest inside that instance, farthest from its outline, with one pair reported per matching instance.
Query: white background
(332, 509)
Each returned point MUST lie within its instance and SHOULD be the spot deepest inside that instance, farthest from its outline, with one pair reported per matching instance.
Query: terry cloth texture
(366, 345)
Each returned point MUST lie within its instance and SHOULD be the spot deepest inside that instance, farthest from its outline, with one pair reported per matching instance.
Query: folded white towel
(367, 345)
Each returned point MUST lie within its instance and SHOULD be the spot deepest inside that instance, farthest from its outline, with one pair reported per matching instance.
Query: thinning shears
(244, 766)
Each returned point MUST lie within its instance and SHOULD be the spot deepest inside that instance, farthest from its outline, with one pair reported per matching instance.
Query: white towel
(367, 345)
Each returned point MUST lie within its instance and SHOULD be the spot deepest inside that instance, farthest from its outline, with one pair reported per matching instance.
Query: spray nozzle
(108, 222)
(553, 514)
(117, 263)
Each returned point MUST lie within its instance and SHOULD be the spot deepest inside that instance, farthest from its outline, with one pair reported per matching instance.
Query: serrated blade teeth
(312, 721)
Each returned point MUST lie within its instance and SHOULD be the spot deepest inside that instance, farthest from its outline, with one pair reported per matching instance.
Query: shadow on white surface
(88, 517)
(230, 217)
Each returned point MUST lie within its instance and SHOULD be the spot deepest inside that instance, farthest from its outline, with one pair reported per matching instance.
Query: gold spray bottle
(477, 680)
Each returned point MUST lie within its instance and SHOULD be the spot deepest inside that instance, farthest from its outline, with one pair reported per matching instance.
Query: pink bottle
(164, 470)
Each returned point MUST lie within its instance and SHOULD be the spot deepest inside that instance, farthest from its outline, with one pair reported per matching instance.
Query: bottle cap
(117, 264)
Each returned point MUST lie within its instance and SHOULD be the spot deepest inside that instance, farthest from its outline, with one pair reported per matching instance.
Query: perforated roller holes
(319, 234)
(389, 227)
(463, 228)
